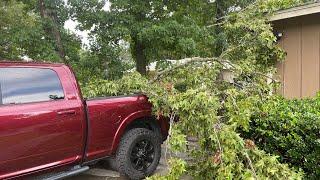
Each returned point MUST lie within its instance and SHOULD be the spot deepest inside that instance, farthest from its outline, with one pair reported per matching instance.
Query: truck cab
(47, 126)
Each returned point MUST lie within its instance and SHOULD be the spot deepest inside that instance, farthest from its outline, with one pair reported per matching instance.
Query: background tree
(232, 35)
(49, 13)
(155, 29)
(213, 113)
(54, 14)
(19, 31)
(36, 31)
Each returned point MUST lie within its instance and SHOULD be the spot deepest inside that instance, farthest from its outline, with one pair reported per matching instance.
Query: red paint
(105, 119)
(36, 137)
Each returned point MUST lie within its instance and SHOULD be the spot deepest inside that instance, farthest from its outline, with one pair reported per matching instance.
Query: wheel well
(147, 123)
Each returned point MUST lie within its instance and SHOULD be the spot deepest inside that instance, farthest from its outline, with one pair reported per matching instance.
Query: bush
(291, 130)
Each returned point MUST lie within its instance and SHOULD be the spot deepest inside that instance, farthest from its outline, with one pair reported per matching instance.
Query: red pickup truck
(46, 126)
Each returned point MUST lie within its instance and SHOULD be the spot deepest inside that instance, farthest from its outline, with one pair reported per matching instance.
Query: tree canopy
(213, 112)
(37, 32)
(156, 30)
(205, 38)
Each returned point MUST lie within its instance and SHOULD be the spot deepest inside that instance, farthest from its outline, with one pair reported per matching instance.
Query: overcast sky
(71, 25)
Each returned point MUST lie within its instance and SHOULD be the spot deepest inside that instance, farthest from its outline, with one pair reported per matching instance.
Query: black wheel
(138, 153)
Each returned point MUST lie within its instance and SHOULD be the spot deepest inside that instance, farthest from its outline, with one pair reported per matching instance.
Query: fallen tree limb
(188, 61)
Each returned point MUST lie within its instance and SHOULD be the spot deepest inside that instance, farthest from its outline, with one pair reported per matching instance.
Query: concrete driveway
(99, 173)
(103, 171)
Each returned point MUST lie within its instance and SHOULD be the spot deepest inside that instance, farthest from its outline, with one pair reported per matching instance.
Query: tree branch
(187, 62)
(251, 166)
(220, 20)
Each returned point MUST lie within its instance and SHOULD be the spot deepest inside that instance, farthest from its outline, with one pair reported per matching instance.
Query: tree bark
(141, 60)
(53, 30)
(218, 29)
(220, 12)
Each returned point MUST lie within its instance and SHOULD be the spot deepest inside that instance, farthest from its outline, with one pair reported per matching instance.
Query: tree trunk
(220, 12)
(141, 60)
(218, 29)
(54, 30)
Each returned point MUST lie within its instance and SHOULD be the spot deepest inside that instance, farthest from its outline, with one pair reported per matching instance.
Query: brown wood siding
(300, 72)
(310, 58)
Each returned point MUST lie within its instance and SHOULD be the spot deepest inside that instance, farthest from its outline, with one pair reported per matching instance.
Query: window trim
(0, 95)
(31, 103)
(36, 102)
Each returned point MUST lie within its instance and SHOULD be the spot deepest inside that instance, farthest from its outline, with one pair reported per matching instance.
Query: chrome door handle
(67, 112)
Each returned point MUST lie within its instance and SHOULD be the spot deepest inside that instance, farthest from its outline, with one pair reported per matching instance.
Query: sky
(72, 26)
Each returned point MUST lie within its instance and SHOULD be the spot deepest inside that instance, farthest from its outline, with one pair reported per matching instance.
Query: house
(298, 30)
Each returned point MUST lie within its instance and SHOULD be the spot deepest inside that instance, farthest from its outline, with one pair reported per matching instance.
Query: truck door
(39, 126)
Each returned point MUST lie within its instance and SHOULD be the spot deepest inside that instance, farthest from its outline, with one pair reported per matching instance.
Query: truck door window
(27, 85)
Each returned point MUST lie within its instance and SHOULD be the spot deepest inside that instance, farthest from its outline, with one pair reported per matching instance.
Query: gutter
(308, 9)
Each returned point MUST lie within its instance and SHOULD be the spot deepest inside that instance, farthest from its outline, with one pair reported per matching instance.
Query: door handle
(67, 112)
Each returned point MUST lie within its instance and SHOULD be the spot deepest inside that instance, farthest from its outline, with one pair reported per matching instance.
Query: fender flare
(124, 124)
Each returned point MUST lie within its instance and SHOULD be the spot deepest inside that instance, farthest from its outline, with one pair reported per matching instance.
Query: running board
(74, 171)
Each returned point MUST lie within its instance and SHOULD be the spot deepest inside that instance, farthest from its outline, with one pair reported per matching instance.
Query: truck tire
(111, 163)
(139, 153)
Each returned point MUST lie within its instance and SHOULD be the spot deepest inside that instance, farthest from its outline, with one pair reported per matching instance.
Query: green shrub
(291, 130)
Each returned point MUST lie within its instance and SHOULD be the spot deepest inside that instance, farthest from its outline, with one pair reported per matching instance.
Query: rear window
(27, 85)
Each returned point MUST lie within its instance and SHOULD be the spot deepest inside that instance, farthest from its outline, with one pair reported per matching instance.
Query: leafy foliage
(88, 67)
(222, 152)
(23, 32)
(155, 29)
(229, 36)
(291, 130)
(20, 33)
(177, 169)
(212, 110)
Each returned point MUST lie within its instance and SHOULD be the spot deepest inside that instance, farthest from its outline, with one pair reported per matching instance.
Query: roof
(307, 9)
(24, 63)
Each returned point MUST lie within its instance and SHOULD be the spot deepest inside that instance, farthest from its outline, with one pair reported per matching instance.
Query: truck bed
(106, 116)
